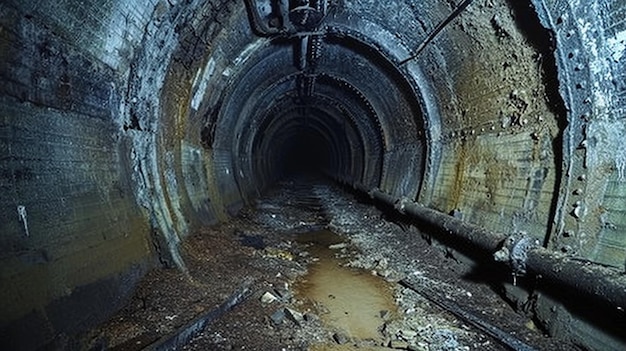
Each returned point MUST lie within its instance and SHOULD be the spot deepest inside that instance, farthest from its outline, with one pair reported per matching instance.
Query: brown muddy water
(349, 301)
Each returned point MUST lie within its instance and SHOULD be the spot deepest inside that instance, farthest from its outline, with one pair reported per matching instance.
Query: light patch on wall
(595, 65)
(617, 45)
(249, 50)
(194, 175)
(620, 159)
(173, 192)
(605, 145)
(201, 85)
(21, 212)
(125, 25)
(245, 54)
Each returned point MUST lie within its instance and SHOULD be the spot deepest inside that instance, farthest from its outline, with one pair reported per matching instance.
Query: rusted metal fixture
(184, 334)
(263, 28)
(433, 34)
(522, 253)
(291, 18)
(505, 339)
(587, 278)
(483, 238)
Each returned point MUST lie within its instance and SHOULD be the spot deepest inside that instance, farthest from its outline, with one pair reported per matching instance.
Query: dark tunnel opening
(306, 153)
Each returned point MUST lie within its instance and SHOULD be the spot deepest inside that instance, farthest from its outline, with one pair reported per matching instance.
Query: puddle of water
(346, 299)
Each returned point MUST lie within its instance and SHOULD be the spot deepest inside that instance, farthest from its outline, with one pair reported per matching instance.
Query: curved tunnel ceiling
(334, 80)
(475, 117)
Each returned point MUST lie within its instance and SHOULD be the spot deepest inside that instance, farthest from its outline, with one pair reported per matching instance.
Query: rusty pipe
(478, 236)
(522, 254)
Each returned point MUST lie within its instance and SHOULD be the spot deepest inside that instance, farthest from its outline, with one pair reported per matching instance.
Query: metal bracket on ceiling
(305, 83)
(273, 18)
(308, 52)
(307, 15)
(433, 34)
(269, 18)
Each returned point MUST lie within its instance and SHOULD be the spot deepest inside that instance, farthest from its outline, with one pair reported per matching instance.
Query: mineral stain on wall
(503, 127)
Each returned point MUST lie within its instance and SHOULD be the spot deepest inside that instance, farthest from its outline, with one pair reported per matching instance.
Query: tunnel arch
(328, 83)
(323, 116)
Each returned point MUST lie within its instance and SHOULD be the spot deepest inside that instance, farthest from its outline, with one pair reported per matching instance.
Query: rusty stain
(176, 98)
(176, 103)
(478, 167)
(459, 175)
(131, 247)
(217, 201)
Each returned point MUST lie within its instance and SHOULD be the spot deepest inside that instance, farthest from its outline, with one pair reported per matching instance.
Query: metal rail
(502, 337)
(183, 335)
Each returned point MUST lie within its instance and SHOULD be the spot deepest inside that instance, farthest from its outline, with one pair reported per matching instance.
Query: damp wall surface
(73, 239)
(126, 124)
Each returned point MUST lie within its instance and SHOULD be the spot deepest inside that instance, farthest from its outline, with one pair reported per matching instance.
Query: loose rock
(399, 345)
(284, 294)
(407, 334)
(294, 316)
(385, 315)
(268, 298)
(338, 246)
(340, 338)
(278, 317)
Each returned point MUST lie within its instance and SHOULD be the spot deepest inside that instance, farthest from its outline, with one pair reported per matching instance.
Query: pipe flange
(519, 254)
(401, 204)
(371, 192)
(514, 252)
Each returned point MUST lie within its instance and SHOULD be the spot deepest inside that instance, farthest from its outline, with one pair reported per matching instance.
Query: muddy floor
(311, 266)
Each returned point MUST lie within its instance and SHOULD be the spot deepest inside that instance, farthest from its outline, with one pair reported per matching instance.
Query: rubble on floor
(312, 288)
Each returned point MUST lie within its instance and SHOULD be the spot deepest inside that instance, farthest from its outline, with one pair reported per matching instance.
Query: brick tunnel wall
(74, 242)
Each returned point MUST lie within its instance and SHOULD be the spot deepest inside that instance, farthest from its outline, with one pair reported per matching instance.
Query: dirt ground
(321, 270)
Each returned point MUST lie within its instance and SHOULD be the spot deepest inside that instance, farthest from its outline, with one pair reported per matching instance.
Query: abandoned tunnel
(139, 138)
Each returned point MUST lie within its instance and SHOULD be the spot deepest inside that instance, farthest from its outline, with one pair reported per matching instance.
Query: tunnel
(481, 134)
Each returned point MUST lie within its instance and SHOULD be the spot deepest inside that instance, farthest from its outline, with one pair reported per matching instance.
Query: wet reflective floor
(311, 289)
(353, 302)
